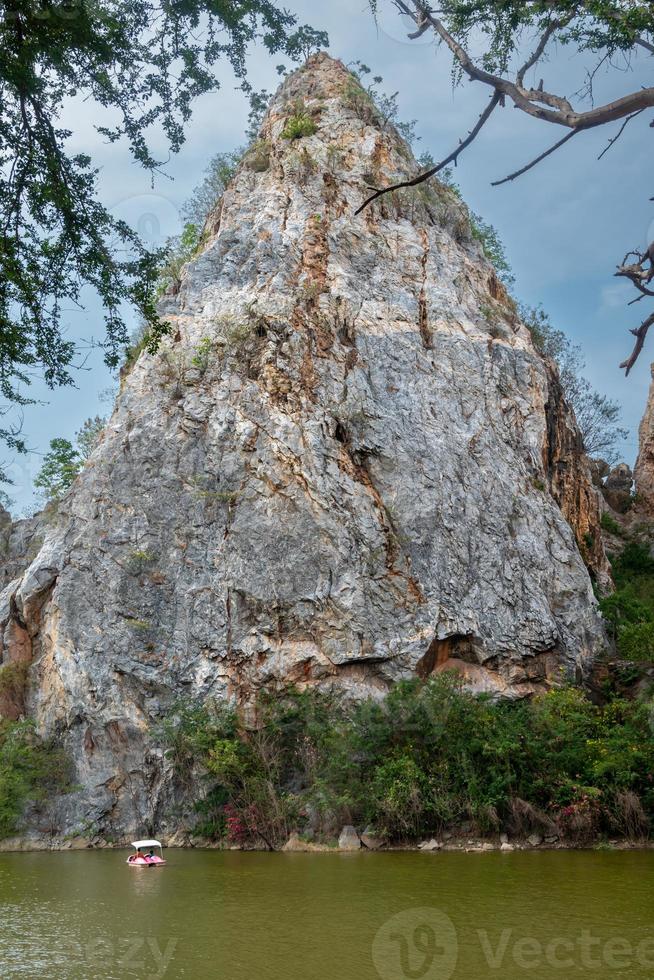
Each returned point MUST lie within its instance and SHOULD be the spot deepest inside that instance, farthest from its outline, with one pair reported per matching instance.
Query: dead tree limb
(614, 139)
(523, 170)
(439, 166)
(640, 333)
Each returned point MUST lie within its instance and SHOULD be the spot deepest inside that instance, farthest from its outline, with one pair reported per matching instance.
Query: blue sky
(565, 224)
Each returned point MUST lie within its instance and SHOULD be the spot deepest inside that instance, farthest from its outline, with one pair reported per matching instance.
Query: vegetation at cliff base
(428, 757)
(32, 771)
(629, 611)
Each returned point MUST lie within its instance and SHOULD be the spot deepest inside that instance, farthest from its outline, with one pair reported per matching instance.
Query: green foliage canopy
(142, 63)
(64, 460)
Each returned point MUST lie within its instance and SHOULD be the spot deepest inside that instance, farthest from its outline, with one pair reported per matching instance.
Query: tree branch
(540, 48)
(645, 44)
(523, 170)
(439, 166)
(640, 335)
(540, 104)
(615, 138)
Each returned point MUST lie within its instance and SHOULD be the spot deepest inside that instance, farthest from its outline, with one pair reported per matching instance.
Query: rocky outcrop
(346, 465)
(570, 479)
(644, 468)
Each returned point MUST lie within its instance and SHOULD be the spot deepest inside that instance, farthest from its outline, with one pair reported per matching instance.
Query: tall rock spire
(644, 468)
(346, 465)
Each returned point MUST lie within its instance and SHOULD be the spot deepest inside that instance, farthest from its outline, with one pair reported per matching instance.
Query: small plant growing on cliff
(89, 435)
(200, 359)
(302, 164)
(372, 105)
(139, 559)
(179, 251)
(299, 125)
(138, 624)
(609, 524)
(217, 176)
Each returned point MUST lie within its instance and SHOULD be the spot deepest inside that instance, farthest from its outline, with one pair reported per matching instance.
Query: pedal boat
(141, 860)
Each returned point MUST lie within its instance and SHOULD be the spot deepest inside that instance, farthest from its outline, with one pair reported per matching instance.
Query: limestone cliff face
(343, 467)
(644, 468)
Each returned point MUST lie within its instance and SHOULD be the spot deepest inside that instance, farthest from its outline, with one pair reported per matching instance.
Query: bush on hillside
(427, 757)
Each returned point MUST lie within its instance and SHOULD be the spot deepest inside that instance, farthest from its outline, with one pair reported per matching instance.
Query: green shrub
(636, 641)
(428, 756)
(139, 559)
(298, 126)
(60, 467)
(629, 611)
(200, 359)
(31, 771)
(179, 251)
(609, 524)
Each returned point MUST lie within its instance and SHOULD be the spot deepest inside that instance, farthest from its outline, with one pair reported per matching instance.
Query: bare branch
(637, 276)
(540, 48)
(523, 170)
(644, 44)
(615, 138)
(439, 166)
(640, 335)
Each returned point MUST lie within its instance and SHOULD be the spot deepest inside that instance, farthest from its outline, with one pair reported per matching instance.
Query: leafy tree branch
(506, 30)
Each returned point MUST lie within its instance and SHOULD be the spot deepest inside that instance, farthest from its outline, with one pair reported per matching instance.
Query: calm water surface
(235, 916)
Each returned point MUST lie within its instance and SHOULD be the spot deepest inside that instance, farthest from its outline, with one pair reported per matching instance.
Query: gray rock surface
(348, 839)
(346, 465)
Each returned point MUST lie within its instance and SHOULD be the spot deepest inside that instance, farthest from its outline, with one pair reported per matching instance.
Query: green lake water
(395, 916)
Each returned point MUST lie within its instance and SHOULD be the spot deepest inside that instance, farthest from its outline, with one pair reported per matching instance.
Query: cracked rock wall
(346, 465)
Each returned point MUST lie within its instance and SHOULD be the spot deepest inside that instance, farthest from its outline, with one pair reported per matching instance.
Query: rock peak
(346, 465)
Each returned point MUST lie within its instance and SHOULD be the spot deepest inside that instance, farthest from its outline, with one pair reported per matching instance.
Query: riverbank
(303, 767)
(447, 843)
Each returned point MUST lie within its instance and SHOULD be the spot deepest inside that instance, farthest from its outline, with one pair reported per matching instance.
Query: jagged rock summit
(346, 465)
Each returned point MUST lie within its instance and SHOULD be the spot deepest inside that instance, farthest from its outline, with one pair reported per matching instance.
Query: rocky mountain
(644, 468)
(347, 464)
